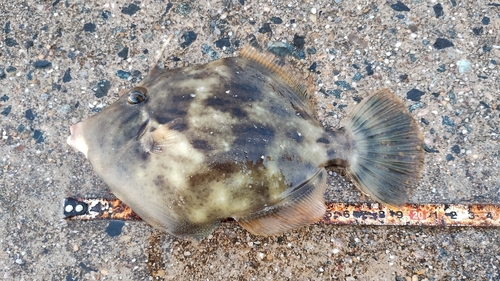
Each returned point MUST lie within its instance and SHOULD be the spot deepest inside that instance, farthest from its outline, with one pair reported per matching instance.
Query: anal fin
(303, 206)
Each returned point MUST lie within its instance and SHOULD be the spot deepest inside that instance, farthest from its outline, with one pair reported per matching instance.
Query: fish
(239, 138)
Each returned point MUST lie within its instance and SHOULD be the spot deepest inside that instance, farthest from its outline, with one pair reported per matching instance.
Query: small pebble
(29, 75)
(414, 94)
(400, 7)
(266, 27)
(131, 9)
(11, 69)
(452, 97)
(313, 66)
(6, 28)
(67, 76)
(311, 51)
(276, 20)
(449, 157)
(123, 53)
(64, 109)
(416, 105)
(463, 66)
(10, 42)
(123, 74)
(105, 15)
(298, 41)
(183, 9)
(478, 30)
(369, 70)
(299, 54)
(114, 228)
(6, 110)
(358, 76)
(438, 10)
(485, 20)
(442, 43)
(206, 49)
(29, 115)
(430, 150)
(343, 84)
(447, 121)
(38, 136)
(223, 42)
(336, 93)
(188, 37)
(279, 48)
(41, 64)
(101, 89)
(89, 27)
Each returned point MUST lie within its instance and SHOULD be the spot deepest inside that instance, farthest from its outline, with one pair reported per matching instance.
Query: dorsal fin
(304, 87)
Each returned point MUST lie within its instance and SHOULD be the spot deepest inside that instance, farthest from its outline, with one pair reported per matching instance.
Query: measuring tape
(484, 215)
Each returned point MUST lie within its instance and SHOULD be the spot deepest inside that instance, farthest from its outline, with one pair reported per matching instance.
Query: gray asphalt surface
(62, 61)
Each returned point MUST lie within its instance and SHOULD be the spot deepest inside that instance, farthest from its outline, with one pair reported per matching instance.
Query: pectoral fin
(162, 137)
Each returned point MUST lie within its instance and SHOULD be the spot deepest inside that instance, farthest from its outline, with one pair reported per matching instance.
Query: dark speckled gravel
(356, 47)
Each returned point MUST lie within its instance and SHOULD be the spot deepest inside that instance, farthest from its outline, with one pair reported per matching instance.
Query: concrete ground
(61, 61)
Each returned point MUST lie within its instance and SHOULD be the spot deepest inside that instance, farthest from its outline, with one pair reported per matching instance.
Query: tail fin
(387, 155)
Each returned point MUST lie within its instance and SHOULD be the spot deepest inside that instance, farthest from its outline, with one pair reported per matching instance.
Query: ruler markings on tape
(487, 215)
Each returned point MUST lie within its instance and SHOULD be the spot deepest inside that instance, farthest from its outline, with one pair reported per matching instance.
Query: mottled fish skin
(237, 138)
(235, 143)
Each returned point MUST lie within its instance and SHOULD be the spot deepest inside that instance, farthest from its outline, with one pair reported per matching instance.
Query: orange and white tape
(481, 215)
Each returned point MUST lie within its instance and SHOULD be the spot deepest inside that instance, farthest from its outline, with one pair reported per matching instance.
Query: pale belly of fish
(238, 138)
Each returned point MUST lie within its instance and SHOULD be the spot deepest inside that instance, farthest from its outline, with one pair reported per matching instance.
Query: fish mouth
(76, 139)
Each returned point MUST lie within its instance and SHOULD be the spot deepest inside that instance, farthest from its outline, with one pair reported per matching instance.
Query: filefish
(239, 138)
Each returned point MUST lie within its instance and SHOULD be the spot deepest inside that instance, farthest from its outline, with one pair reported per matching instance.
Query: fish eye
(137, 96)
